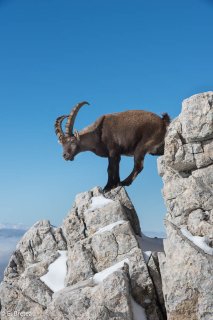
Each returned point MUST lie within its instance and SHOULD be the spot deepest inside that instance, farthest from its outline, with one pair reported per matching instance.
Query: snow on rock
(99, 202)
(56, 274)
(138, 311)
(201, 242)
(110, 226)
(147, 255)
(100, 276)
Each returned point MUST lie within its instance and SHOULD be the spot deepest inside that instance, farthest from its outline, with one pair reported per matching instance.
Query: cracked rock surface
(106, 274)
(187, 172)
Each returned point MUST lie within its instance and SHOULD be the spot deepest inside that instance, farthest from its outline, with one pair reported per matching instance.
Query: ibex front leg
(113, 173)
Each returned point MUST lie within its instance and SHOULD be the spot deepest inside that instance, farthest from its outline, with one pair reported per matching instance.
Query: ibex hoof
(125, 183)
(110, 187)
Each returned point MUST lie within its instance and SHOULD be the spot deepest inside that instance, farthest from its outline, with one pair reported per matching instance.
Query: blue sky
(118, 55)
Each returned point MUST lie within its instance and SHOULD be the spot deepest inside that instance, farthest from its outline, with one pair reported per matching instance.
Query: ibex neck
(88, 141)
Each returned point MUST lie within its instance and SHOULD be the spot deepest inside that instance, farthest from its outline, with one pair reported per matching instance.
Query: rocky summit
(98, 265)
(92, 267)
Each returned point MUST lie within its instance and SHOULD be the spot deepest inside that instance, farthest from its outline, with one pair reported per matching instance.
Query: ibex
(130, 133)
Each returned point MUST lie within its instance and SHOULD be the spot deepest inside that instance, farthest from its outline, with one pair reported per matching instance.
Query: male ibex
(129, 133)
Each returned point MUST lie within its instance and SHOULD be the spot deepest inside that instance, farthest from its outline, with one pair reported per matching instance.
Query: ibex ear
(76, 134)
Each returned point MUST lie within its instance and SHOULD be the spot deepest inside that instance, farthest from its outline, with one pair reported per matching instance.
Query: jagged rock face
(187, 171)
(108, 300)
(22, 290)
(106, 275)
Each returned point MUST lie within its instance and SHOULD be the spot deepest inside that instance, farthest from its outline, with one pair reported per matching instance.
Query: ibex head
(69, 140)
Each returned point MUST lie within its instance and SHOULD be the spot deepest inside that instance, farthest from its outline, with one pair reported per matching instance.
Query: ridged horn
(58, 128)
(71, 118)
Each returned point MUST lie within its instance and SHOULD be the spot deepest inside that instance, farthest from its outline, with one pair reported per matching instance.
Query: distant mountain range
(17, 226)
(155, 234)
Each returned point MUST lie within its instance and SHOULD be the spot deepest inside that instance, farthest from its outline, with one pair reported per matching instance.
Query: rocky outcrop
(98, 265)
(91, 268)
(187, 172)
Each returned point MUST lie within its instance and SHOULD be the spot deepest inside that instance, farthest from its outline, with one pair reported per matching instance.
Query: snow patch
(138, 311)
(146, 255)
(110, 226)
(57, 271)
(201, 242)
(100, 276)
(99, 202)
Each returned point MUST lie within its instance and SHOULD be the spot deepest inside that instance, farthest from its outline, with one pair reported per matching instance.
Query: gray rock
(187, 278)
(33, 288)
(197, 117)
(22, 291)
(16, 305)
(106, 274)
(154, 272)
(108, 300)
(83, 220)
(187, 172)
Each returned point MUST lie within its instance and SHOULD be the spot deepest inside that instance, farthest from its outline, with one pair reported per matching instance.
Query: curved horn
(71, 118)
(58, 128)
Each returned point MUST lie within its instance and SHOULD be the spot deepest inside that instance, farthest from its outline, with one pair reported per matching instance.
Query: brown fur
(130, 133)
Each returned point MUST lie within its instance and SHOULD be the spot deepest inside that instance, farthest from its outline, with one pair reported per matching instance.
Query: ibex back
(130, 133)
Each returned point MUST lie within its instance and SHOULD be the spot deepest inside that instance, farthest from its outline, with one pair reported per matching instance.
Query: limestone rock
(187, 278)
(22, 291)
(106, 276)
(187, 172)
(154, 272)
(108, 300)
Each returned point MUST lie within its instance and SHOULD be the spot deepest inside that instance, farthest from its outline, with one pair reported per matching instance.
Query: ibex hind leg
(139, 155)
(138, 167)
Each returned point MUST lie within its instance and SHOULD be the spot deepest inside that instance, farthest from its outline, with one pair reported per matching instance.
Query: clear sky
(116, 54)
